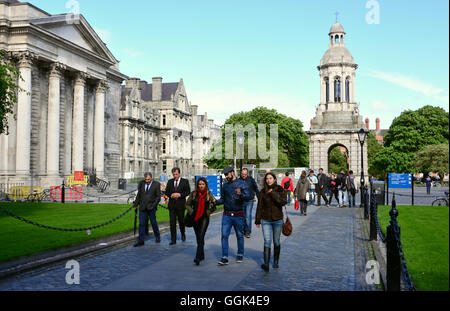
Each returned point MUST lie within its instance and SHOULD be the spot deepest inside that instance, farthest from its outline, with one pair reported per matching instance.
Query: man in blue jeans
(234, 195)
(253, 189)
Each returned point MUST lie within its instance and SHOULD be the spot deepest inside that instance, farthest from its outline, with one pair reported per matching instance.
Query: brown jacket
(192, 202)
(270, 205)
(302, 188)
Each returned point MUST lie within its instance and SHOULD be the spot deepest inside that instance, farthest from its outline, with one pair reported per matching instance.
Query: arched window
(327, 90)
(337, 90)
(347, 90)
(336, 39)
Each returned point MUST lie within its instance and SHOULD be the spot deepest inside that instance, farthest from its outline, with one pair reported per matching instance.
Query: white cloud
(413, 84)
(133, 53)
(221, 104)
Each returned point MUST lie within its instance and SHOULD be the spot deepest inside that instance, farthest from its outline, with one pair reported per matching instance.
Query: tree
(9, 75)
(293, 145)
(414, 130)
(390, 160)
(337, 161)
(434, 158)
(373, 148)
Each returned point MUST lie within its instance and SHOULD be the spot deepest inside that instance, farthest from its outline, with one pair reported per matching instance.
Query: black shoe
(276, 256)
(138, 244)
(197, 261)
(223, 262)
(266, 264)
(173, 243)
(183, 237)
(158, 240)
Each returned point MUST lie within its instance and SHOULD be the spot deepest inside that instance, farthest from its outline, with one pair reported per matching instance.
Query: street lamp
(241, 141)
(362, 135)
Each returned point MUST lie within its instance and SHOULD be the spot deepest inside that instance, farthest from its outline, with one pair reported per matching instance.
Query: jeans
(143, 220)
(289, 197)
(238, 224)
(312, 195)
(351, 201)
(248, 217)
(200, 228)
(272, 229)
(343, 197)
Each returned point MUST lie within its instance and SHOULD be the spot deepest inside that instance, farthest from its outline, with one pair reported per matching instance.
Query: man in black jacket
(322, 187)
(343, 197)
(148, 198)
(178, 189)
(253, 189)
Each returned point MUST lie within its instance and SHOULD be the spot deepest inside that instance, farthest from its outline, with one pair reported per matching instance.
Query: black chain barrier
(63, 229)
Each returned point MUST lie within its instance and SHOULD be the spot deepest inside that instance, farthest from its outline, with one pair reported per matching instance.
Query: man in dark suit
(177, 190)
(148, 198)
(322, 187)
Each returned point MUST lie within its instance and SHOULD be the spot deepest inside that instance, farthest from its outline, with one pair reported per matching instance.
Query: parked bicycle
(39, 196)
(443, 201)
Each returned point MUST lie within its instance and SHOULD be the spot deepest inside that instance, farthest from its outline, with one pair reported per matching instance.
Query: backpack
(287, 184)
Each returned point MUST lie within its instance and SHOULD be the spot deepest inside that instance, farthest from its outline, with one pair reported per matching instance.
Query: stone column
(99, 129)
(23, 147)
(53, 126)
(78, 123)
(89, 154)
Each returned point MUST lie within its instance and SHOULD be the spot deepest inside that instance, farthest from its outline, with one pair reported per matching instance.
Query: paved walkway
(327, 251)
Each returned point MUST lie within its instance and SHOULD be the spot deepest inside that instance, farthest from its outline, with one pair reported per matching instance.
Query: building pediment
(77, 31)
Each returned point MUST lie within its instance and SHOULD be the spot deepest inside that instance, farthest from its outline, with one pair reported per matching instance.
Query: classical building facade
(160, 129)
(68, 115)
(337, 120)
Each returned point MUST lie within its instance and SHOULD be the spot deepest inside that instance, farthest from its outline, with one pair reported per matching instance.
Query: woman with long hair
(269, 214)
(302, 188)
(201, 204)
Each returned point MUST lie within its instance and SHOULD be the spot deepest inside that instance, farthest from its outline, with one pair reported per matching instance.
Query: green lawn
(19, 239)
(425, 239)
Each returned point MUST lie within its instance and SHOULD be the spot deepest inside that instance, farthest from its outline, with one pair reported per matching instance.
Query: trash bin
(379, 189)
(122, 184)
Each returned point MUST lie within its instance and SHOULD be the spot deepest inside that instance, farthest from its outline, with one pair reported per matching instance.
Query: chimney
(367, 123)
(312, 121)
(157, 89)
(378, 125)
(132, 83)
(194, 110)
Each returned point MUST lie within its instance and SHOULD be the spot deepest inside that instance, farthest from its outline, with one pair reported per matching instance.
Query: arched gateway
(337, 120)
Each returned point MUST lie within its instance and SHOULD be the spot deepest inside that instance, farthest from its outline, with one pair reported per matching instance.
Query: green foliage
(373, 148)
(434, 158)
(337, 161)
(390, 160)
(414, 130)
(9, 75)
(293, 148)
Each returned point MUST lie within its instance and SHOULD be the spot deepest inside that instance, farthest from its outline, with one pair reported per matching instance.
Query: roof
(337, 54)
(337, 28)
(168, 89)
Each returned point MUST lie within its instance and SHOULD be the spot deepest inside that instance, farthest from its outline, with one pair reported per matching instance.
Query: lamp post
(362, 135)
(241, 141)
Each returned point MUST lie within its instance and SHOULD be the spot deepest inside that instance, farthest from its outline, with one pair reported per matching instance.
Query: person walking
(302, 188)
(428, 183)
(177, 190)
(288, 186)
(333, 186)
(342, 188)
(269, 215)
(147, 199)
(312, 178)
(322, 187)
(352, 190)
(201, 204)
(234, 194)
(253, 188)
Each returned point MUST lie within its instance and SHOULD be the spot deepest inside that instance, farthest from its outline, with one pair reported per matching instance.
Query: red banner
(72, 194)
(79, 176)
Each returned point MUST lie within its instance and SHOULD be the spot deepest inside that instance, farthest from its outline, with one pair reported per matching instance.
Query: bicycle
(39, 196)
(443, 201)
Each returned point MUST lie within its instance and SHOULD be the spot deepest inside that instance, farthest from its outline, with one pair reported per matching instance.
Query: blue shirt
(230, 199)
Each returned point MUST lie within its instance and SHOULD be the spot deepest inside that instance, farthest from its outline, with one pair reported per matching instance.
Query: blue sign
(400, 181)
(163, 178)
(214, 184)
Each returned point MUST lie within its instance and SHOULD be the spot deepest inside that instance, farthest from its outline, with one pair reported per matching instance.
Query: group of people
(238, 198)
(311, 188)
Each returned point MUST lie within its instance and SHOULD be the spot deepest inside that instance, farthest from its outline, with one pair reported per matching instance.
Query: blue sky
(237, 55)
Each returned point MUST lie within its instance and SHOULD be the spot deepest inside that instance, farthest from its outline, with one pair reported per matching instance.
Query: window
(164, 146)
(327, 90)
(347, 90)
(337, 90)
(164, 120)
(164, 167)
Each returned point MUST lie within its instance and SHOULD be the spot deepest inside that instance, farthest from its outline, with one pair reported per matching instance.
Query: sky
(234, 56)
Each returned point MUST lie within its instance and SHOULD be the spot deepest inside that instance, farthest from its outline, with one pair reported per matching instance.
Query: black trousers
(336, 195)
(200, 228)
(321, 193)
(174, 213)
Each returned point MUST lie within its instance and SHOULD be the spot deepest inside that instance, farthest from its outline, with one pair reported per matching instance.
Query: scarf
(201, 205)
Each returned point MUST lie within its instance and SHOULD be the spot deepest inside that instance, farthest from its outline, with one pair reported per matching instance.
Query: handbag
(308, 196)
(297, 205)
(287, 226)
(189, 220)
